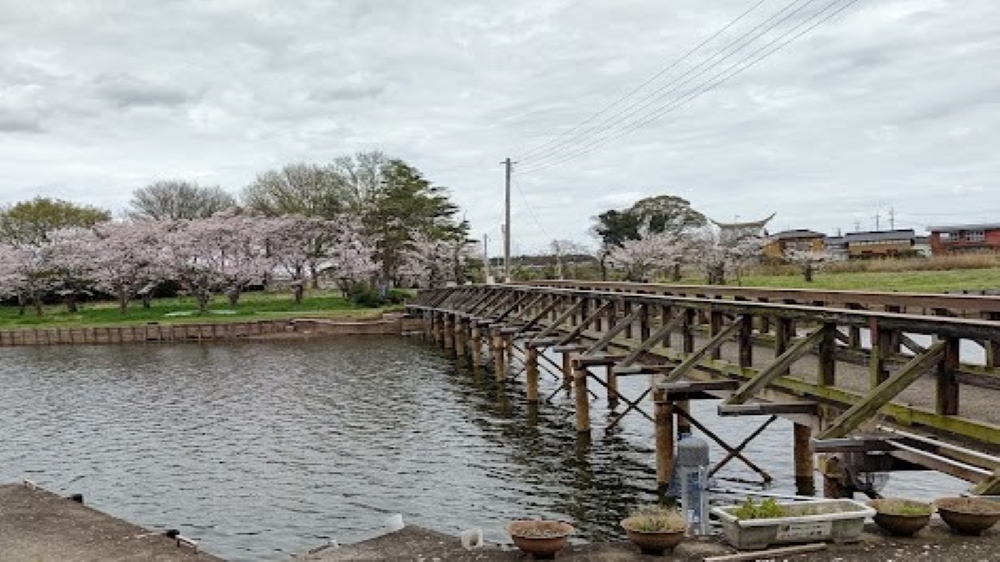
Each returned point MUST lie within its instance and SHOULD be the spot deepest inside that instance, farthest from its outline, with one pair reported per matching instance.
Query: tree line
(364, 220)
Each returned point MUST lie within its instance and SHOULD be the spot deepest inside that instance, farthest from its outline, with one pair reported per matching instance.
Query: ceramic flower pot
(901, 518)
(652, 542)
(968, 516)
(540, 539)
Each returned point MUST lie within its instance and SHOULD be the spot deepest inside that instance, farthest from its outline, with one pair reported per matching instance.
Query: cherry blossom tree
(808, 261)
(24, 272)
(350, 258)
(66, 254)
(299, 245)
(126, 259)
(725, 251)
(648, 255)
(435, 263)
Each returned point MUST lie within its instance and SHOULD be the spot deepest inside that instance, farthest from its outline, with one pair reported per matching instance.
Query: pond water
(262, 450)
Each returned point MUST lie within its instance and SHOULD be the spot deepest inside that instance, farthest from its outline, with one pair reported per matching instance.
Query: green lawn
(252, 306)
(955, 280)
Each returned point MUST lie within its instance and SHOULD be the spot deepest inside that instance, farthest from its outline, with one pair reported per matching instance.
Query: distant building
(837, 246)
(965, 238)
(880, 243)
(801, 239)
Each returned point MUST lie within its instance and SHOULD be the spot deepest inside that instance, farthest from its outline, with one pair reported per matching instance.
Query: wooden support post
(436, 320)
(666, 319)
(612, 387)
(628, 314)
(531, 369)
(783, 334)
(499, 356)
(854, 332)
(765, 321)
(567, 369)
(805, 483)
(947, 385)
(827, 356)
(774, 370)
(476, 343)
(582, 397)
(835, 483)
(459, 339)
(992, 346)
(878, 367)
(687, 330)
(745, 341)
(715, 320)
(448, 332)
(663, 421)
(683, 421)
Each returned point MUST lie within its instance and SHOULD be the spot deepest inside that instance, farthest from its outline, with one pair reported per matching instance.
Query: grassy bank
(252, 306)
(954, 281)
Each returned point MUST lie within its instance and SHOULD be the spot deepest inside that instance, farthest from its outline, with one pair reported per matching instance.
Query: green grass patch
(252, 306)
(954, 281)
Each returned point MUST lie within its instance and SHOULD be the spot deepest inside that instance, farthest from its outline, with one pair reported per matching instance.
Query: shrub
(652, 519)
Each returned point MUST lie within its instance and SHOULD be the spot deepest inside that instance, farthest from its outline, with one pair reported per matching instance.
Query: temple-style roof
(743, 225)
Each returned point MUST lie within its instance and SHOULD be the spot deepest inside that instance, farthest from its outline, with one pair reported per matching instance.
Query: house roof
(834, 241)
(797, 234)
(880, 236)
(965, 227)
(743, 225)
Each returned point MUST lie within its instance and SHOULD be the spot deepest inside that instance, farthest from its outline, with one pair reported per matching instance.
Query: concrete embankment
(39, 526)
(218, 331)
(933, 544)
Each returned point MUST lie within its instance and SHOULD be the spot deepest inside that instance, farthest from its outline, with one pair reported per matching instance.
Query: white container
(837, 520)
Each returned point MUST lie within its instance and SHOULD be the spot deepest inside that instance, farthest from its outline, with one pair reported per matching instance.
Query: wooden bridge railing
(850, 364)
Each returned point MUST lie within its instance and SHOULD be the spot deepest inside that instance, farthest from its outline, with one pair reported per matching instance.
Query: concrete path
(39, 526)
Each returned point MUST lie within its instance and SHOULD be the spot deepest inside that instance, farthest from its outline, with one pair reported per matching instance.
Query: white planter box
(821, 520)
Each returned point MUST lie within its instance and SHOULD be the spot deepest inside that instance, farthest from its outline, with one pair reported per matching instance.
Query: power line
(668, 68)
(707, 86)
(655, 95)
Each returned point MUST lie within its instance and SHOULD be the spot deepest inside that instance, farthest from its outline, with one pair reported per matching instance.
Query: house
(836, 246)
(800, 239)
(880, 243)
(965, 238)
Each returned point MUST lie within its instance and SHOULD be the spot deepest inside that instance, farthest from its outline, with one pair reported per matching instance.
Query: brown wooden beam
(776, 369)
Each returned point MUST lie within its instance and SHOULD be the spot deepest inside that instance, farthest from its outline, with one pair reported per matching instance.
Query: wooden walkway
(909, 381)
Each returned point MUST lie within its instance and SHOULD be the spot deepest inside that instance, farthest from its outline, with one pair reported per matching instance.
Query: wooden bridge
(872, 381)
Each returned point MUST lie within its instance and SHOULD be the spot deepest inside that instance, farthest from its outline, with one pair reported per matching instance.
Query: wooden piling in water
(805, 467)
(476, 345)
(663, 421)
(582, 397)
(531, 369)
(499, 356)
(612, 382)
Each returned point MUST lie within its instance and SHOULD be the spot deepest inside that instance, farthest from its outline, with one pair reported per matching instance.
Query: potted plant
(758, 525)
(540, 538)
(655, 529)
(901, 517)
(968, 516)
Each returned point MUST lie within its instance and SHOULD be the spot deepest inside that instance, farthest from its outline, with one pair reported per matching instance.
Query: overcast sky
(892, 105)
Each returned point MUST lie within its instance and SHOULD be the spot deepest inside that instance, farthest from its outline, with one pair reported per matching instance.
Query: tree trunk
(234, 297)
(147, 300)
(37, 301)
(299, 291)
(313, 276)
(71, 304)
(123, 302)
(676, 275)
(807, 272)
(204, 297)
(22, 305)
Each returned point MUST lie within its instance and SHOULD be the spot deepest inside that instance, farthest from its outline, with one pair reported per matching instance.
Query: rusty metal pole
(805, 467)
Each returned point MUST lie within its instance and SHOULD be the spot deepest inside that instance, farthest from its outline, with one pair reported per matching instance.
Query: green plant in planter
(767, 509)
(896, 506)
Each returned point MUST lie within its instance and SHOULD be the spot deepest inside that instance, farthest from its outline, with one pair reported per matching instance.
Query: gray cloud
(890, 105)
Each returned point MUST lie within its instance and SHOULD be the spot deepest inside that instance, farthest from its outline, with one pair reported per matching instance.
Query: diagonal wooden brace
(691, 361)
(883, 393)
(774, 370)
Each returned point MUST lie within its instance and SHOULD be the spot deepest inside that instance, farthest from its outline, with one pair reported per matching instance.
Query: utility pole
(877, 217)
(892, 218)
(486, 256)
(506, 222)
